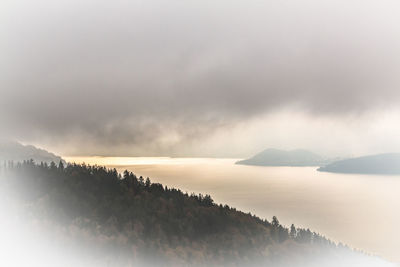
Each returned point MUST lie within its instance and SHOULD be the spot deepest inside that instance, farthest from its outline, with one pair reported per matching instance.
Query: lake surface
(362, 211)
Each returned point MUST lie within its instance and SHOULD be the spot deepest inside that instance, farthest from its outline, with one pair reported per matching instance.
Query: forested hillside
(126, 220)
(17, 152)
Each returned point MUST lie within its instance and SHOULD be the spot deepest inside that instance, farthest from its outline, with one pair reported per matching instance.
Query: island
(276, 157)
(387, 164)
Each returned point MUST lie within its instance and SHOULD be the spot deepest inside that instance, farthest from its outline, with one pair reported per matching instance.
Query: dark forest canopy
(129, 219)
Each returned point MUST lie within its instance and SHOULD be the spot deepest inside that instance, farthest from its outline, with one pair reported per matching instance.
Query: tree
(53, 166)
(275, 221)
(148, 183)
(61, 166)
(141, 180)
(293, 231)
(126, 174)
(208, 201)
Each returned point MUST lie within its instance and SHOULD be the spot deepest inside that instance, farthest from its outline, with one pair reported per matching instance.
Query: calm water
(359, 210)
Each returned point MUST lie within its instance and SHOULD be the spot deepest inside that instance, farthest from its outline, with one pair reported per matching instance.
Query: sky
(200, 78)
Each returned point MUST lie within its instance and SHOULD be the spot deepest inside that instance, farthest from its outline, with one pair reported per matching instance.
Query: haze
(200, 78)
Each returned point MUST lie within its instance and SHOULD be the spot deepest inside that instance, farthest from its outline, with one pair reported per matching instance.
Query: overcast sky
(201, 78)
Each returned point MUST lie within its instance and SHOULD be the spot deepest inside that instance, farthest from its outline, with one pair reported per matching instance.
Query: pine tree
(293, 231)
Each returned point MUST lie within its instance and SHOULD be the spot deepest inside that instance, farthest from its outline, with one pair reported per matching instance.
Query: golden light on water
(128, 161)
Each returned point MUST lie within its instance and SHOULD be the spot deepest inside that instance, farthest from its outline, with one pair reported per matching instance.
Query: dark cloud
(107, 74)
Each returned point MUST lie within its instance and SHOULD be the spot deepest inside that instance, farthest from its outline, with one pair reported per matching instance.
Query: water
(361, 211)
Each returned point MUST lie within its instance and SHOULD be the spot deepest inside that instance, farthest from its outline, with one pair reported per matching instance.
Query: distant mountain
(374, 164)
(276, 157)
(14, 151)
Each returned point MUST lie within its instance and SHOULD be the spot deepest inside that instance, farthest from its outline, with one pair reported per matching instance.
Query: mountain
(276, 157)
(14, 151)
(373, 164)
(125, 220)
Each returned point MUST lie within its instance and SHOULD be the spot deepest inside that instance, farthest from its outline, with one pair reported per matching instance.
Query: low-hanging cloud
(120, 74)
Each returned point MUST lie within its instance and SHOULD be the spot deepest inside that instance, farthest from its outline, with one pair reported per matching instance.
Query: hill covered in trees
(374, 164)
(276, 157)
(125, 220)
(17, 152)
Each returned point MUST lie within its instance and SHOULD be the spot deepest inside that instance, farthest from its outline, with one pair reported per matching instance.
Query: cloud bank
(158, 77)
